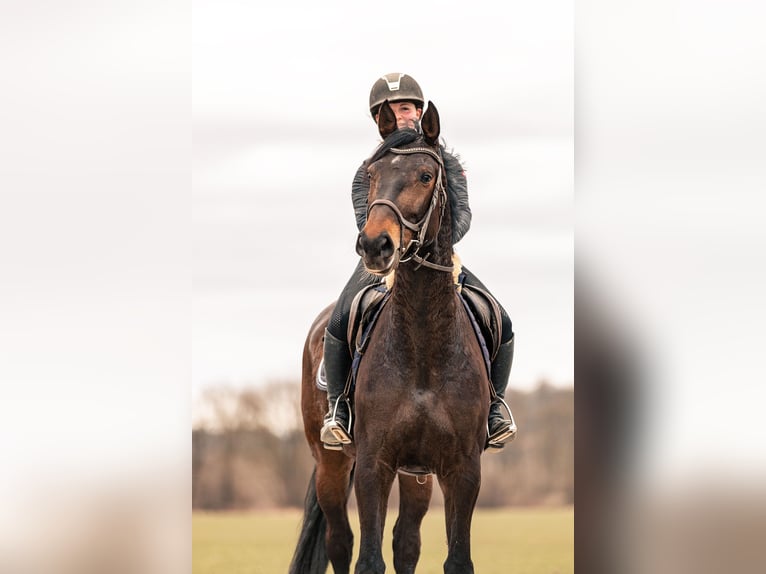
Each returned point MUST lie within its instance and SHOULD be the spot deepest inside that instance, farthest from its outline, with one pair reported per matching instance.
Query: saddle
(364, 313)
(485, 312)
(362, 317)
(481, 306)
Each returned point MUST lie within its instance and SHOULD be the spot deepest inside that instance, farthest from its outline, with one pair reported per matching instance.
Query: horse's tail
(310, 555)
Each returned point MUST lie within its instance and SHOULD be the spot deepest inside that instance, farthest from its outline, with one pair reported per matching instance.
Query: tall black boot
(501, 429)
(337, 422)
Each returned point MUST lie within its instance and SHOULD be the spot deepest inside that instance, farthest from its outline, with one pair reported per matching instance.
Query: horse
(421, 394)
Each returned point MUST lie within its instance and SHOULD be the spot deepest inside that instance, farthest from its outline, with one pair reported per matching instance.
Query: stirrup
(329, 442)
(333, 435)
(506, 433)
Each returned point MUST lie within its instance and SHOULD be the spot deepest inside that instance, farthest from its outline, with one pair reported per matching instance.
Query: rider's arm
(457, 190)
(359, 191)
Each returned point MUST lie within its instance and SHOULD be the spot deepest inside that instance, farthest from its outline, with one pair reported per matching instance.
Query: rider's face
(406, 114)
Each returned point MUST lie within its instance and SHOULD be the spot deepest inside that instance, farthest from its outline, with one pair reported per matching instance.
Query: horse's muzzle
(377, 253)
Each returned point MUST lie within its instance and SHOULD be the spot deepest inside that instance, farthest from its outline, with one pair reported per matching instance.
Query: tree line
(249, 450)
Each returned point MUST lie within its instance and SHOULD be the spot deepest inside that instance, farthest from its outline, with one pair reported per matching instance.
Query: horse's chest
(399, 365)
(403, 379)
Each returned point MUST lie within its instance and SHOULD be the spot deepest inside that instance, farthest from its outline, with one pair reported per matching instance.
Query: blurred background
(147, 148)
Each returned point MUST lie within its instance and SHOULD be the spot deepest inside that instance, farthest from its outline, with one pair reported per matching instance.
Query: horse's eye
(426, 177)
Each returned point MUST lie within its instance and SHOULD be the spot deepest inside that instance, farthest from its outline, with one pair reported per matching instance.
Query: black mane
(397, 138)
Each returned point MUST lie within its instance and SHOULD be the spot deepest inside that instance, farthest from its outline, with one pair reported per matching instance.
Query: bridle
(412, 250)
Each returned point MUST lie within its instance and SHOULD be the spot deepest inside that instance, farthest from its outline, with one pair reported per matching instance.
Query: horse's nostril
(386, 245)
(359, 246)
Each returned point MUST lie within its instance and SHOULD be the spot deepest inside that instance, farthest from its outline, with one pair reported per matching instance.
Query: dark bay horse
(422, 390)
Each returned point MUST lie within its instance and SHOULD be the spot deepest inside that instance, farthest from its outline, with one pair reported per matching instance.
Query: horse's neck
(424, 298)
(422, 287)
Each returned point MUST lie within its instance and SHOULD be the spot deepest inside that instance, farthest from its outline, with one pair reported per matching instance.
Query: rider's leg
(502, 428)
(337, 364)
(337, 360)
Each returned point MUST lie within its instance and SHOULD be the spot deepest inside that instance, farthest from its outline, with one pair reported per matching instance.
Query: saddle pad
(321, 380)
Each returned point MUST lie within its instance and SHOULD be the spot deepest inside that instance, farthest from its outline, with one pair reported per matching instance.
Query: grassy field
(522, 541)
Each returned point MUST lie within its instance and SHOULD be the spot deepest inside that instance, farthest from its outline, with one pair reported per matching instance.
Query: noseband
(412, 250)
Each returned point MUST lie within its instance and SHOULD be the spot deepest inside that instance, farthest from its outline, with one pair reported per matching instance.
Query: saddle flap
(487, 313)
(362, 309)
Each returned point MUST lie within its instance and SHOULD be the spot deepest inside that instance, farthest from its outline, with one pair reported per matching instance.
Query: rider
(406, 99)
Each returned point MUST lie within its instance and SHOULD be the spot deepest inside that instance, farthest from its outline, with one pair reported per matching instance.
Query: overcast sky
(281, 123)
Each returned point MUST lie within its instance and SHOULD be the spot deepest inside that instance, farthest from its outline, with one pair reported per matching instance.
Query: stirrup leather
(507, 432)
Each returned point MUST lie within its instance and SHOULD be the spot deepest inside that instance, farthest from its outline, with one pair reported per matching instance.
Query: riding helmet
(395, 88)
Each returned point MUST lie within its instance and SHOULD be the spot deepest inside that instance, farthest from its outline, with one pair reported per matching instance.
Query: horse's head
(407, 194)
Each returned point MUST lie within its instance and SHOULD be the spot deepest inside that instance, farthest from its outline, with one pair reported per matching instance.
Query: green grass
(522, 541)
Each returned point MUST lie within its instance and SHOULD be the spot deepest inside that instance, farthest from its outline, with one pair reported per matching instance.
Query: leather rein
(412, 250)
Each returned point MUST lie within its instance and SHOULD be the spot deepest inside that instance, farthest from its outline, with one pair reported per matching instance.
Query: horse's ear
(430, 124)
(386, 120)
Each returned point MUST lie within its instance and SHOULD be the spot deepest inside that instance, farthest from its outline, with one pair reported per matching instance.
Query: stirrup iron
(335, 428)
(506, 434)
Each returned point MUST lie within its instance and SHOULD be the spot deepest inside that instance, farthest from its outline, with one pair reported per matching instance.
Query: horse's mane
(400, 137)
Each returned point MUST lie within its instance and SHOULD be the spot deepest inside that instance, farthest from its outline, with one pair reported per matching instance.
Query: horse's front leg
(332, 485)
(414, 498)
(461, 489)
(372, 485)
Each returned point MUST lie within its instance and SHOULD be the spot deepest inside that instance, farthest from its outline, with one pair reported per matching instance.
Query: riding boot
(501, 429)
(337, 422)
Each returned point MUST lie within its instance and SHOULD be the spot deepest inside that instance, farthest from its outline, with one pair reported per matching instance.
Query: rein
(421, 227)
